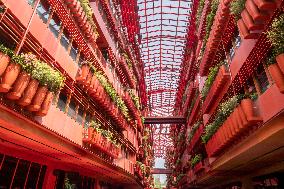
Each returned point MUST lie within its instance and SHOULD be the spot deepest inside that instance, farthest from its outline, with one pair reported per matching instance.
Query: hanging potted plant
(5, 56)
(276, 37)
(11, 73)
(24, 77)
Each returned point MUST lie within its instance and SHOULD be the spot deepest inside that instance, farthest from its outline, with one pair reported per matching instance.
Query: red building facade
(81, 127)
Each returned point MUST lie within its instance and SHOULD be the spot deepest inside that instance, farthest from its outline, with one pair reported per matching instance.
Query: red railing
(195, 138)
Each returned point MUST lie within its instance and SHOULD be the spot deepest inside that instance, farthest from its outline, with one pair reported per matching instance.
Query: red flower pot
(280, 61)
(9, 77)
(45, 105)
(38, 99)
(29, 93)
(250, 24)
(19, 86)
(277, 76)
(265, 5)
(244, 32)
(83, 73)
(4, 61)
(255, 13)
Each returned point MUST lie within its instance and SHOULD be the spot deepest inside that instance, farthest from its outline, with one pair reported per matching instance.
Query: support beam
(165, 120)
(161, 171)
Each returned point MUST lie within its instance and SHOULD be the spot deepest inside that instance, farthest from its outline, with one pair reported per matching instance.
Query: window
(55, 25)
(15, 173)
(61, 104)
(43, 10)
(74, 51)
(80, 115)
(72, 109)
(65, 39)
(236, 43)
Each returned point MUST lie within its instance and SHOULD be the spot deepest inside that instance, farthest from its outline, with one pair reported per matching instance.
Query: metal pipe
(20, 45)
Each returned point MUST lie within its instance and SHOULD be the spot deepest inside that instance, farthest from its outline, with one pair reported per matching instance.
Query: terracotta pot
(244, 32)
(265, 5)
(243, 119)
(46, 104)
(280, 61)
(9, 77)
(38, 99)
(277, 76)
(88, 79)
(29, 93)
(4, 61)
(250, 24)
(247, 107)
(83, 73)
(255, 13)
(19, 86)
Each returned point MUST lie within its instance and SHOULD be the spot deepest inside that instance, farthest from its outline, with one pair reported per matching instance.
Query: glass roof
(163, 29)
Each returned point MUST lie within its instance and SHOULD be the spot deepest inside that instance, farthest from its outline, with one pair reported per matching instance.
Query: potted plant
(24, 77)
(84, 71)
(276, 36)
(11, 73)
(5, 55)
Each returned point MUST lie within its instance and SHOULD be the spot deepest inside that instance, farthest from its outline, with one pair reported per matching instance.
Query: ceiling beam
(165, 120)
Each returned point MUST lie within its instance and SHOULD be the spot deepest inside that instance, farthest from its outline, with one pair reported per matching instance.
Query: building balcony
(195, 138)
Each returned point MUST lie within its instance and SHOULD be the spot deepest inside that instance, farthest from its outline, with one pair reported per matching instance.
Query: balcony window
(74, 51)
(55, 25)
(236, 43)
(43, 10)
(80, 115)
(65, 39)
(72, 109)
(61, 104)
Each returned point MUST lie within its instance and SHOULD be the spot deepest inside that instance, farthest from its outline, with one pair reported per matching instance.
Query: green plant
(6, 51)
(18, 59)
(196, 159)
(213, 71)
(276, 35)
(193, 130)
(199, 12)
(210, 18)
(236, 8)
(28, 62)
(270, 59)
(134, 98)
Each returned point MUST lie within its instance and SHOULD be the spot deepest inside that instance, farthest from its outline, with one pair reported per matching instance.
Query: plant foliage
(236, 8)
(196, 159)
(276, 35)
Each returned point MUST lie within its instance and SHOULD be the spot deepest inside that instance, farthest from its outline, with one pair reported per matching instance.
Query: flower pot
(265, 5)
(243, 119)
(38, 99)
(247, 107)
(19, 86)
(280, 62)
(255, 13)
(83, 73)
(250, 24)
(88, 79)
(277, 76)
(29, 93)
(9, 77)
(244, 32)
(4, 61)
(46, 104)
